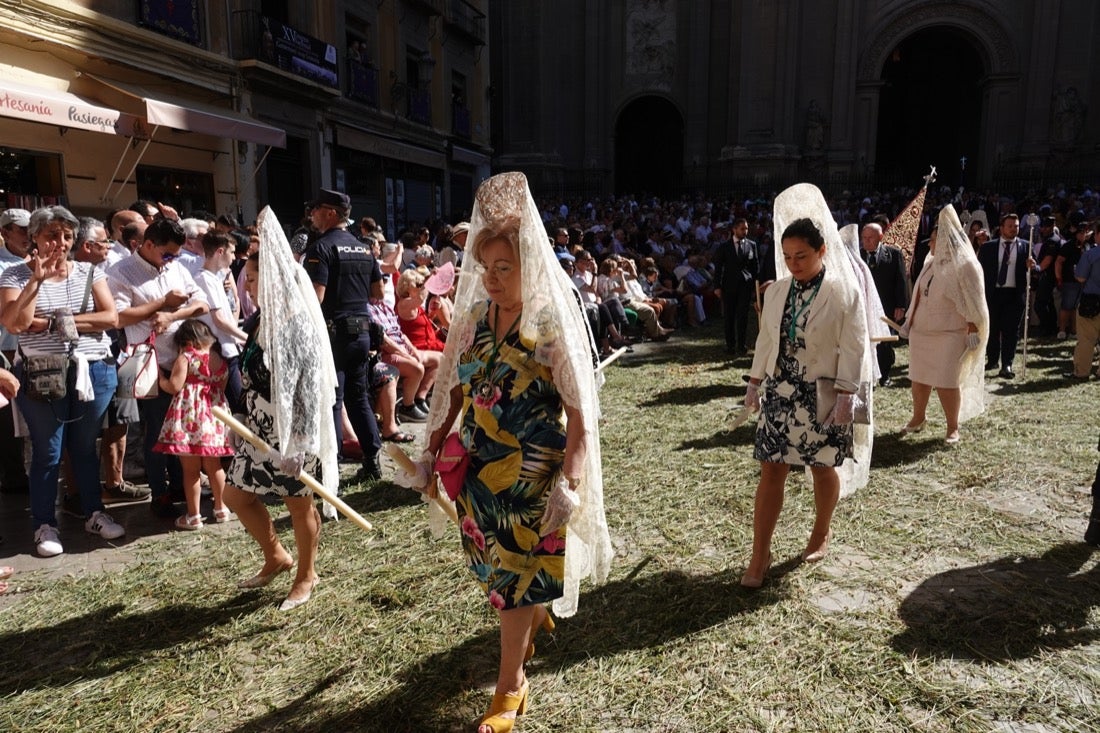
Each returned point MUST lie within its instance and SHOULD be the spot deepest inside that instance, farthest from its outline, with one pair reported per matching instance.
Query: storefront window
(29, 180)
(185, 191)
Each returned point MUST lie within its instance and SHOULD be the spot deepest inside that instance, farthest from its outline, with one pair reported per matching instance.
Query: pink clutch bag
(451, 465)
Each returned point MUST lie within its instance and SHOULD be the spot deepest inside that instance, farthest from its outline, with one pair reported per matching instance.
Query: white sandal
(189, 522)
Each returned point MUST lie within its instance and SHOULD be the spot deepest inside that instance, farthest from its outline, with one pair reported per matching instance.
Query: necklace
(486, 389)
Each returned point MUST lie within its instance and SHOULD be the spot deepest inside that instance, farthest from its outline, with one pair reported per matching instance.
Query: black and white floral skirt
(251, 470)
(787, 430)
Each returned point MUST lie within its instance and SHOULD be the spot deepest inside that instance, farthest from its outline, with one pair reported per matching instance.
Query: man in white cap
(452, 250)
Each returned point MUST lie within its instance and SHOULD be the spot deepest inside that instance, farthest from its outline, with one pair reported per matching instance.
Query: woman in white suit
(813, 327)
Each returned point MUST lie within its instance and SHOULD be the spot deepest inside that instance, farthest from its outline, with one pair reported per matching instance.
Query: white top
(213, 287)
(134, 281)
(53, 296)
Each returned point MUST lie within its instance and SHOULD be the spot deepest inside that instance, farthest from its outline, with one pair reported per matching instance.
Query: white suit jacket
(836, 333)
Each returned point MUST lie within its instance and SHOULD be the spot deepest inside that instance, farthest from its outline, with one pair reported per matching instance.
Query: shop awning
(55, 107)
(197, 117)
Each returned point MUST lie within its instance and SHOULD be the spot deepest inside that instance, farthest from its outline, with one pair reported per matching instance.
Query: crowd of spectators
(643, 268)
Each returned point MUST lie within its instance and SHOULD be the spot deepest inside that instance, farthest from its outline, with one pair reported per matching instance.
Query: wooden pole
(402, 459)
(316, 486)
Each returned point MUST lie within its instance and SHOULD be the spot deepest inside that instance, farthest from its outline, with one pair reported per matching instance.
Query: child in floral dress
(190, 430)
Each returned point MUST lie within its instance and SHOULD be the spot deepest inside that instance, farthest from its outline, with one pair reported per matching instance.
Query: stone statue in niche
(1068, 117)
(816, 126)
(651, 37)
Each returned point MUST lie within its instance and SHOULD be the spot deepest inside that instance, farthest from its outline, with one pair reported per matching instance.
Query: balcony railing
(420, 106)
(460, 121)
(467, 19)
(363, 83)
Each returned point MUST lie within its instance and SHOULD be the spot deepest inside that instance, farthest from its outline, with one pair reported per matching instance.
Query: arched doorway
(930, 108)
(649, 147)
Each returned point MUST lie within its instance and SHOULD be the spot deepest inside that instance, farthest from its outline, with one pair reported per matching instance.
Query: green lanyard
(798, 311)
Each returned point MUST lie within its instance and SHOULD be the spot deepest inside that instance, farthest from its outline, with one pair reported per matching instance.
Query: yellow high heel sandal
(504, 702)
(546, 625)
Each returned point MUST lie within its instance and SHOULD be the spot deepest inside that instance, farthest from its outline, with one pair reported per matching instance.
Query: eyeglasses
(498, 271)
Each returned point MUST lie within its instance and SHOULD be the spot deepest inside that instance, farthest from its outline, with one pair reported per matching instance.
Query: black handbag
(46, 376)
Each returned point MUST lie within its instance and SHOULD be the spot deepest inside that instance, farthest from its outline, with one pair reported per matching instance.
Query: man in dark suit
(1005, 262)
(736, 267)
(887, 265)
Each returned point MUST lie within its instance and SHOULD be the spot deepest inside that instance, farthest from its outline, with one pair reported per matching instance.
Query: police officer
(346, 276)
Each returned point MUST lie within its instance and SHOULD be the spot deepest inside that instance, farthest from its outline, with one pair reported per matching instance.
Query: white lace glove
(418, 479)
(290, 465)
(972, 341)
(752, 397)
(559, 507)
(843, 411)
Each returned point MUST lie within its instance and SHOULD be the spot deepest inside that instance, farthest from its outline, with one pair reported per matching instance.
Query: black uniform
(887, 265)
(347, 269)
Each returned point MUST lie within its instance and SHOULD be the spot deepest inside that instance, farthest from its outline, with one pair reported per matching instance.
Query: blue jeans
(73, 425)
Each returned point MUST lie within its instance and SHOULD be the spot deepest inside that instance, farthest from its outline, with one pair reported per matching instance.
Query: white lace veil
(297, 352)
(964, 285)
(555, 324)
(805, 201)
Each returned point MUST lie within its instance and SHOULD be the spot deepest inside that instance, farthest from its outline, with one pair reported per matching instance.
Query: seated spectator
(411, 314)
(417, 368)
(440, 303)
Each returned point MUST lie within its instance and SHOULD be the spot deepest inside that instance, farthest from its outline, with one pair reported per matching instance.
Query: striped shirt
(54, 296)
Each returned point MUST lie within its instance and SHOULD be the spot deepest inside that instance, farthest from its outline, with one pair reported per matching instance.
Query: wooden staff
(883, 339)
(401, 458)
(891, 324)
(607, 362)
(316, 486)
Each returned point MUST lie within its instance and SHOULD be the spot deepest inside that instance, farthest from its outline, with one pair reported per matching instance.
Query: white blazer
(836, 333)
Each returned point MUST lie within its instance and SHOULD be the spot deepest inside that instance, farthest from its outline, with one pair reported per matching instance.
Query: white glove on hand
(752, 397)
(843, 411)
(972, 341)
(290, 465)
(559, 507)
(418, 480)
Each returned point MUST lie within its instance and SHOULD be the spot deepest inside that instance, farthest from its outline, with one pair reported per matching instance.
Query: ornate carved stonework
(988, 29)
(650, 38)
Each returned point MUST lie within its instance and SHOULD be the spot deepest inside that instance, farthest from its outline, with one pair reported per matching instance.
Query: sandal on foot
(188, 522)
(547, 624)
(259, 580)
(221, 516)
(6, 572)
(398, 437)
(505, 702)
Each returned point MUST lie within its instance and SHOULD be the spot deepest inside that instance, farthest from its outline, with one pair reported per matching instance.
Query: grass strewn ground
(957, 595)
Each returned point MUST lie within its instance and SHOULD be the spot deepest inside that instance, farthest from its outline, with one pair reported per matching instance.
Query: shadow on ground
(108, 640)
(1011, 608)
(612, 618)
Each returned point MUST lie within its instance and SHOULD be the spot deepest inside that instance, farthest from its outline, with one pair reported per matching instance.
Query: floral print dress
(788, 431)
(513, 429)
(190, 428)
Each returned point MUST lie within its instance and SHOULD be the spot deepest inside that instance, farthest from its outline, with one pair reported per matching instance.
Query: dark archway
(649, 147)
(930, 108)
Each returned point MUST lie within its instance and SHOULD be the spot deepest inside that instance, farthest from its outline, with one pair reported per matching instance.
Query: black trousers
(351, 355)
(1006, 308)
(736, 304)
(884, 351)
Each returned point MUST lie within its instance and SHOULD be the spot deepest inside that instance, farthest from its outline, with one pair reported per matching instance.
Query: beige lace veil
(553, 321)
(297, 352)
(956, 262)
(805, 201)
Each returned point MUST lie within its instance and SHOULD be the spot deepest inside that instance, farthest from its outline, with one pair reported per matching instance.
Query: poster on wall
(294, 51)
(391, 222)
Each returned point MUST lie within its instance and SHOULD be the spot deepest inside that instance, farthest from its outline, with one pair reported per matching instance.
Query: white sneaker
(104, 525)
(47, 541)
